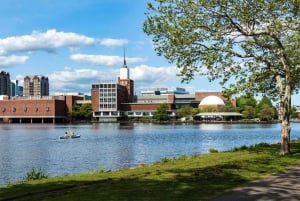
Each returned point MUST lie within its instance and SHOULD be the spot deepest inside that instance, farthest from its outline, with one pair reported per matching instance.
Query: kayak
(67, 136)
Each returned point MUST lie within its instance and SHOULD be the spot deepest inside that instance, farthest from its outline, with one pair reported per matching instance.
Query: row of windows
(139, 113)
(109, 100)
(99, 86)
(107, 94)
(107, 90)
(108, 106)
(107, 113)
(25, 109)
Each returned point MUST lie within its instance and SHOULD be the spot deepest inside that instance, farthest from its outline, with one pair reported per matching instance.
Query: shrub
(212, 150)
(35, 174)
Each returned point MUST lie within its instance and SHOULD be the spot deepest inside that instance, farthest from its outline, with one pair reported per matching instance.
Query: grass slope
(198, 177)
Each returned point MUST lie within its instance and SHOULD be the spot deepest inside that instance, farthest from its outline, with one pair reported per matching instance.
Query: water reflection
(115, 146)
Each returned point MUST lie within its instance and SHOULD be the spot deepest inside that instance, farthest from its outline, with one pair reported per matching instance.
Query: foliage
(83, 111)
(228, 107)
(294, 113)
(254, 44)
(162, 112)
(186, 111)
(212, 150)
(266, 113)
(35, 174)
(209, 109)
(245, 101)
(265, 109)
(191, 177)
(249, 112)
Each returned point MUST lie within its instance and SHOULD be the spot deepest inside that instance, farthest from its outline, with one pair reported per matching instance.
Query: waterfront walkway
(279, 187)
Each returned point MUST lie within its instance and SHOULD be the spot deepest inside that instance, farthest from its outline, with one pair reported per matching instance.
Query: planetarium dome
(211, 100)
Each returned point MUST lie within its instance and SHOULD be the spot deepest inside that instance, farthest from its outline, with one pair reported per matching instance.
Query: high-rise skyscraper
(36, 85)
(4, 83)
(15, 89)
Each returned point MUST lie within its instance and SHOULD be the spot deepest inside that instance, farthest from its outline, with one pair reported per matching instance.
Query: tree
(266, 112)
(253, 42)
(248, 112)
(294, 113)
(83, 111)
(265, 109)
(187, 111)
(228, 107)
(161, 112)
(244, 101)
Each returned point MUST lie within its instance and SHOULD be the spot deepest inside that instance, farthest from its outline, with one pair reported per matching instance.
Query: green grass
(198, 177)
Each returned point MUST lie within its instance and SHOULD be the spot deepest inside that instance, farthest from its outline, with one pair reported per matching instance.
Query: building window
(3, 109)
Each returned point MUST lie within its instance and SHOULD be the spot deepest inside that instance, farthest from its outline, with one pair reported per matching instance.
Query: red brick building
(47, 109)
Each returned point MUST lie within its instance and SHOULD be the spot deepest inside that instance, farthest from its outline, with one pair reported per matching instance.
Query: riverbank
(198, 177)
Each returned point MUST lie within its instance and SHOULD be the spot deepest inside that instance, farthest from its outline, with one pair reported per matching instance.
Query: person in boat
(72, 134)
(66, 134)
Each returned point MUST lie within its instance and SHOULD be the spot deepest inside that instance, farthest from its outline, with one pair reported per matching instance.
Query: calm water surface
(114, 146)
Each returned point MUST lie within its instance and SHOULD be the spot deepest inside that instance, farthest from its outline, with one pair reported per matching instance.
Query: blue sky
(78, 43)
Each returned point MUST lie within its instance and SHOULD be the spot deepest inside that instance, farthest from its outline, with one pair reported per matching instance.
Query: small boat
(75, 136)
(71, 135)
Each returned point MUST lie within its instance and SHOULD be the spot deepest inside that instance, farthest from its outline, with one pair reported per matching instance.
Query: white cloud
(78, 80)
(81, 80)
(47, 41)
(153, 74)
(109, 42)
(6, 61)
(104, 60)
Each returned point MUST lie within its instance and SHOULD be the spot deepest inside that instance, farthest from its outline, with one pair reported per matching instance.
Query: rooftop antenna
(124, 66)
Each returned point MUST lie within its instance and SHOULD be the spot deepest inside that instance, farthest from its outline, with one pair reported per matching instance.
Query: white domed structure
(211, 100)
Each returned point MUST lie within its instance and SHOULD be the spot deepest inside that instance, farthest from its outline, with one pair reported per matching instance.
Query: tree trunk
(285, 137)
(285, 107)
(285, 93)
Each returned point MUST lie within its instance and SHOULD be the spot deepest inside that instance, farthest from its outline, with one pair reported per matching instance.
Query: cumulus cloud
(43, 41)
(81, 80)
(153, 74)
(7, 61)
(78, 80)
(103, 60)
(109, 42)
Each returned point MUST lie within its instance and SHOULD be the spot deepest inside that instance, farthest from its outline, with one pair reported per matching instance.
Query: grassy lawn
(197, 177)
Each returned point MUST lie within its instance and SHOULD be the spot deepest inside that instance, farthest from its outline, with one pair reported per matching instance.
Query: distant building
(46, 109)
(36, 85)
(15, 89)
(4, 83)
(164, 91)
(107, 96)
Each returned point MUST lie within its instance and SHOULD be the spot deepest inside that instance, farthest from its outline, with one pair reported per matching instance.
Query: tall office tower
(36, 85)
(15, 89)
(4, 83)
(125, 80)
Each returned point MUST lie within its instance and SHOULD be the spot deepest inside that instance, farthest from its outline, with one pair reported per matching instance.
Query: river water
(115, 146)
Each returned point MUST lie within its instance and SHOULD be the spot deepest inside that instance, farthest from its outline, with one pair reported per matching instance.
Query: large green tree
(187, 111)
(244, 101)
(265, 109)
(254, 44)
(162, 112)
(83, 111)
